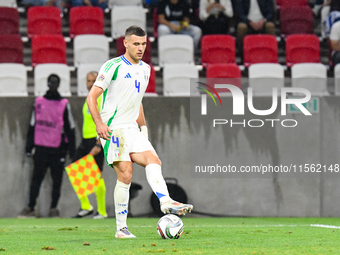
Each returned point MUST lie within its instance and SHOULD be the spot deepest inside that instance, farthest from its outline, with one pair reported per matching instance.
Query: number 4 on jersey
(137, 85)
(116, 141)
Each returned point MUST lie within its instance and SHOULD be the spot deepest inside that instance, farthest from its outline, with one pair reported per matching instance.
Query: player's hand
(104, 131)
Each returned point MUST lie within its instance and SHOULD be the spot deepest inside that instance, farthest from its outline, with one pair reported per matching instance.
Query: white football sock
(121, 198)
(156, 182)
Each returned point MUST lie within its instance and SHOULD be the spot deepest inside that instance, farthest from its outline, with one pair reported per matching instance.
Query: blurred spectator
(335, 42)
(51, 133)
(173, 16)
(215, 15)
(59, 3)
(97, 3)
(255, 16)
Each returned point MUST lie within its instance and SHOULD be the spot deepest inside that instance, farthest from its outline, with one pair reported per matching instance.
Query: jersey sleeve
(104, 76)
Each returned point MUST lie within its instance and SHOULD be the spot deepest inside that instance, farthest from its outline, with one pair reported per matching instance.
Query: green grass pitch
(201, 236)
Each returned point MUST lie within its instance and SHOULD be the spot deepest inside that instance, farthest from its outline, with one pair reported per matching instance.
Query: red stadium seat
(223, 73)
(9, 21)
(152, 81)
(218, 49)
(302, 48)
(284, 3)
(43, 20)
(260, 49)
(86, 20)
(296, 20)
(121, 49)
(223, 70)
(11, 49)
(48, 49)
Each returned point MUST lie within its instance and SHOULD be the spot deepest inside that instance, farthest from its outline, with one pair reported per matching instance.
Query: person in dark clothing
(51, 133)
(254, 16)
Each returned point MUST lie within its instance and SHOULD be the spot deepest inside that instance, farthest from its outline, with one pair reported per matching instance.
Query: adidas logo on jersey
(127, 76)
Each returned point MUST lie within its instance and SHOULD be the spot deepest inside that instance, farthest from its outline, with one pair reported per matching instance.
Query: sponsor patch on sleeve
(101, 78)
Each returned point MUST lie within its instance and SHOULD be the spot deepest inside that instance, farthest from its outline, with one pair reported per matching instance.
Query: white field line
(324, 226)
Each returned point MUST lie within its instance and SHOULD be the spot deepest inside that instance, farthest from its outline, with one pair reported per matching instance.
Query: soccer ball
(170, 226)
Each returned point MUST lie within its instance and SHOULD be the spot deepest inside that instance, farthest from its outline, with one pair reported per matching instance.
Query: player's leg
(39, 171)
(121, 196)
(57, 169)
(153, 170)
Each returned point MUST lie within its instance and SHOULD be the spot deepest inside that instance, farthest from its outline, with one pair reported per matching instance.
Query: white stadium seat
(90, 49)
(175, 49)
(8, 3)
(82, 71)
(125, 16)
(311, 76)
(264, 77)
(41, 73)
(13, 80)
(112, 3)
(176, 79)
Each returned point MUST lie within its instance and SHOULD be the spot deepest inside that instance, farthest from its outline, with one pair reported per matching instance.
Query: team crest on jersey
(101, 78)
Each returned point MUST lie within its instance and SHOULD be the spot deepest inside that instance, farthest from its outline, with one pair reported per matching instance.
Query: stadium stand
(264, 77)
(48, 49)
(43, 20)
(284, 52)
(90, 49)
(311, 76)
(296, 20)
(125, 16)
(11, 49)
(13, 80)
(86, 20)
(9, 21)
(218, 49)
(260, 49)
(41, 73)
(175, 49)
(302, 48)
(176, 79)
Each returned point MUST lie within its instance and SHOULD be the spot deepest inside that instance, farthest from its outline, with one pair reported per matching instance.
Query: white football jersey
(124, 85)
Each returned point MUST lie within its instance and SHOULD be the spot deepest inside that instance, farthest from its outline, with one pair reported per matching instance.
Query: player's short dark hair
(53, 79)
(135, 30)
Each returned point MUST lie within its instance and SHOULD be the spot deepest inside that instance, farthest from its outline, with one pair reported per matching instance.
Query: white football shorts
(123, 142)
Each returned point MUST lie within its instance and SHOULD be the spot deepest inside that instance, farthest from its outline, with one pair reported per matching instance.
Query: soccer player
(123, 80)
(90, 144)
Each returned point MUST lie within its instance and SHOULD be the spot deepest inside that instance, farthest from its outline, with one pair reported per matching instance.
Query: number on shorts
(116, 141)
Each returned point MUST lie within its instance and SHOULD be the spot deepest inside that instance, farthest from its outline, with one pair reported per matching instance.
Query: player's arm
(103, 130)
(141, 121)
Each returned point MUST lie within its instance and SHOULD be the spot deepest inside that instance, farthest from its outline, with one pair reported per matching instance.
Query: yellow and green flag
(84, 175)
